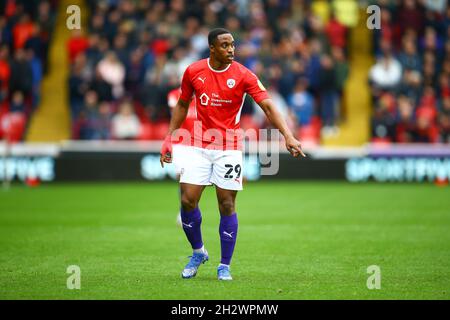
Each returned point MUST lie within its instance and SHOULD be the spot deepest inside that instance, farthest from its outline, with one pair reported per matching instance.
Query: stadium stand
(25, 34)
(410, 80)
(136, 52)
(332, 84)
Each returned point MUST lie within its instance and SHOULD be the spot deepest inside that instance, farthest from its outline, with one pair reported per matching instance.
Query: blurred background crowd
(25, 35)
(131, 54)
(135, 53)
(410, 81)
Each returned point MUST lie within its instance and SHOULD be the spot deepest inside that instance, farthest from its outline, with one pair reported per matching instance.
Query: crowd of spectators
(410, 81)
(134, 53)
(25, 33)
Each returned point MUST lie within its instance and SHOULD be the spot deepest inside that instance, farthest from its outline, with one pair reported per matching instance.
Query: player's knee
(226, 207)
(188, 203)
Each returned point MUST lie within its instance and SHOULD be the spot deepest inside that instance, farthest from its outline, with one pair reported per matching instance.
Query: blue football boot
(223, 273)
(190, 270)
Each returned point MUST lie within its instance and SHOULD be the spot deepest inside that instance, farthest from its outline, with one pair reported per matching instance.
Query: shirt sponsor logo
(204, 99)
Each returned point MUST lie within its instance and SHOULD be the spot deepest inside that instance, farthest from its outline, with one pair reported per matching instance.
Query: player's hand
(294, 147)
(166, 151)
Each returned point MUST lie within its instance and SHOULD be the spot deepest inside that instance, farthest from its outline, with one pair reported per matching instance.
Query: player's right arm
(179, 114)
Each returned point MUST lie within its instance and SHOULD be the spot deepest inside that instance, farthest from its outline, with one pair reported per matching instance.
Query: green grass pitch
(297, 240)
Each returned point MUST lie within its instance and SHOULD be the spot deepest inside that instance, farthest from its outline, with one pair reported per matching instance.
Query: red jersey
(219, 96)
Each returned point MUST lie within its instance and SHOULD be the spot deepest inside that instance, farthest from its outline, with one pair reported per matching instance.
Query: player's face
(224, 48)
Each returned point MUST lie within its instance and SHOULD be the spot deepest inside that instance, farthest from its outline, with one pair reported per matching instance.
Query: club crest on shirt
(231, 83)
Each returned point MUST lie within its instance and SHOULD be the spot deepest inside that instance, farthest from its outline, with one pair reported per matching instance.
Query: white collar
(218, 70)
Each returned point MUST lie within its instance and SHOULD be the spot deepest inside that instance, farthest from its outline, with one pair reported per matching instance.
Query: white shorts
(204, 167)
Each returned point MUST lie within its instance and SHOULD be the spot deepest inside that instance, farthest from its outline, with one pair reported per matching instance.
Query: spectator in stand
(384, 34)
(383, 120)
(386, 74)
(408, 57)
(406, 126)
(93, 53)
(444, 121)
(103, 88)
(112, 71)
(314, 64)
(411, 15)
(125, 124)
(101, 125)
(22, 31)
(5, 70)
(21, 73)
(77, 44)
(17, 102)
(328, 96)
(426, 130)
(120, 48)
(336, 32)
(45, 21)
(80, 77)
(411, 86)
(301, 103)
(34, 43)
(94, 120)
(341, 67)
(444, 86)
(432, 42)
(426, 115)
(5, 32)
(429, 68)
(91, 103)
(37, 75)
(135, 71)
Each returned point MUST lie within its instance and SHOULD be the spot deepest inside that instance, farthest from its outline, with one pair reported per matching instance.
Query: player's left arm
(292, 144)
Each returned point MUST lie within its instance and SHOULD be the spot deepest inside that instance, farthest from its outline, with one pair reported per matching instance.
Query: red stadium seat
(140, 112)
(3, 112)
(146, 131)
(380, 141)
(13, 126)
(153, 131)
(160, 130)
(248, 123)
(310, 134)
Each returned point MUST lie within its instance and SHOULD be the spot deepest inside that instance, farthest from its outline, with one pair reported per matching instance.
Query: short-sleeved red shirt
(219, 95)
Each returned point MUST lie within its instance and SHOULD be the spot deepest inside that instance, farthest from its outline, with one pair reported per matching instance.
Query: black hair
(214, 33)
